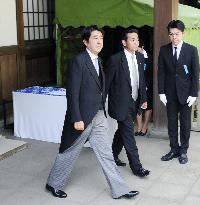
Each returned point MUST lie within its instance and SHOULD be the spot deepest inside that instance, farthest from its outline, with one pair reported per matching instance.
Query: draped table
(39, 113)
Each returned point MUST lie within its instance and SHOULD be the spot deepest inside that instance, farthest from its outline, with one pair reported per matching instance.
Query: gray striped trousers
(97, 134)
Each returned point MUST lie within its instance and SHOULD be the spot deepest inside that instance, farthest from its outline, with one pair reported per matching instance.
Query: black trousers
(176, 111)
(124, 136)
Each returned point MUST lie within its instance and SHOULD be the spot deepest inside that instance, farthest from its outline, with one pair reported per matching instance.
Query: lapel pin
(186, 69)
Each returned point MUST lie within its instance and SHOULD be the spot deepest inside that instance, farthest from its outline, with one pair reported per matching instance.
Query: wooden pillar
(20, 22)
(164, 12)
(21, 44)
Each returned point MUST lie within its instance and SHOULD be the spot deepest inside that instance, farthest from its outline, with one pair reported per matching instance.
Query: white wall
(8, 28)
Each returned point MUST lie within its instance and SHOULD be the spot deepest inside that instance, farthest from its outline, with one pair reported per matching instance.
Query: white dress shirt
(94, 59)
(178, 50)
(130, 65)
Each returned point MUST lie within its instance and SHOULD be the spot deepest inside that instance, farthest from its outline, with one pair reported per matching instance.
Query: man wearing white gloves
(178, 82)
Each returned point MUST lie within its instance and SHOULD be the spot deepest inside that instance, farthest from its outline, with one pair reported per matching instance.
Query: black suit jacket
(85, 95)
(118, 85)
(182, 79)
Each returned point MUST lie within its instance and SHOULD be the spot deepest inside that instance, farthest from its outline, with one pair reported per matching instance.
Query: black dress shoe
(138, 133)
(131, 194)
(169, 156)
(56, 192)
(141, 172)
(183, 159)
(119, 162)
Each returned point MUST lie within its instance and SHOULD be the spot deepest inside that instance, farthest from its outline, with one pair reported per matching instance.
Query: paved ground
(23, 176)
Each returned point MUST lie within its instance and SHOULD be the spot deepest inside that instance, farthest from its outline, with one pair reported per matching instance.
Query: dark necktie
(175, 55)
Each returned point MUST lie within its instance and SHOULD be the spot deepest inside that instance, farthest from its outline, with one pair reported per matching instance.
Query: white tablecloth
(39, 113)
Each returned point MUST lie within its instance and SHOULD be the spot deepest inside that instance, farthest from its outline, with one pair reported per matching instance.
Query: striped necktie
(96, 65)
(134, 82)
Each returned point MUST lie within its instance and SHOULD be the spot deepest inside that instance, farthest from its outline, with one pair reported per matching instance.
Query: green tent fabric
(104, 12)
(116, 12)
(119, 13)
(192, 36)
(190, 16)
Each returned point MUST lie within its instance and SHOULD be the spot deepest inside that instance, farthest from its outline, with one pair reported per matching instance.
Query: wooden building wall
(8, 72)
(26, 64)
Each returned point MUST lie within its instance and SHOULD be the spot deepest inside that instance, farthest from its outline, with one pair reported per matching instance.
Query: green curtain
(58, 57)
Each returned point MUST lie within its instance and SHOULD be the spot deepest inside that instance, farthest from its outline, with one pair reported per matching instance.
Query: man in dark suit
(125, 85)
(178, 82)
(85, 120)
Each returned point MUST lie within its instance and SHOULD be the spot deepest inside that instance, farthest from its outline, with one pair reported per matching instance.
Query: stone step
(8, 147)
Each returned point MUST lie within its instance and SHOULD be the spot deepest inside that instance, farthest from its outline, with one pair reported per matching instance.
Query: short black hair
(86, 33)
(128, 30)
(176, 24)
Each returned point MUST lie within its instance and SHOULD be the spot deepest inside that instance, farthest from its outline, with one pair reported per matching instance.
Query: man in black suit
(86, 120)
(178, 82)
(125, 85)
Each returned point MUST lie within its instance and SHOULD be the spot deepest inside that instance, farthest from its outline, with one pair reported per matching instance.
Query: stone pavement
(23, 176)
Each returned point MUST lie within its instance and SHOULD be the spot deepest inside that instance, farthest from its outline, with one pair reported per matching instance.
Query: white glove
(163, 99)
(191, 100)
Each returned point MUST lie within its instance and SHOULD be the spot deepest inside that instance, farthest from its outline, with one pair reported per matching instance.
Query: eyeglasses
(174, 34)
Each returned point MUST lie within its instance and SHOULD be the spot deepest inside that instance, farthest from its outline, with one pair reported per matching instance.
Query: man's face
(175, 36)
(132, 42)
(95, 42)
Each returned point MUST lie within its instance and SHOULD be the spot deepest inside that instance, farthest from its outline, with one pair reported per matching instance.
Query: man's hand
(144, 106)
(79, 125)
(191, 100)
(163, 99)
